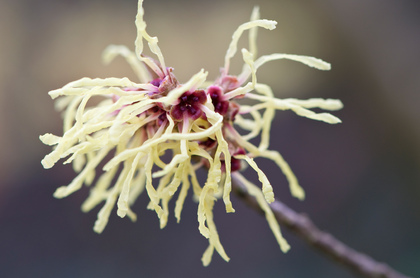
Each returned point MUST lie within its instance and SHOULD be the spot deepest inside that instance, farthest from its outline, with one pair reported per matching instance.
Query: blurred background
(362, 177)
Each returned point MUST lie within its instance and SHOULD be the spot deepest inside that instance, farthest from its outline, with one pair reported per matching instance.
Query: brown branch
(301, 225)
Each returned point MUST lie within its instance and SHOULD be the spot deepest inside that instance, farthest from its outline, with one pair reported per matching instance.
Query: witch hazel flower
(135, 126)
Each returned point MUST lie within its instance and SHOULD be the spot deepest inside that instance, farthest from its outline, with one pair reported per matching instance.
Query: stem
(302, 226)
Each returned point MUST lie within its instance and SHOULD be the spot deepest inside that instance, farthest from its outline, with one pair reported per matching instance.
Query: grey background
(361, 177)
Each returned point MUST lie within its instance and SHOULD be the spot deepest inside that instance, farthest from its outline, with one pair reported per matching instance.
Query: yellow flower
(138, 123)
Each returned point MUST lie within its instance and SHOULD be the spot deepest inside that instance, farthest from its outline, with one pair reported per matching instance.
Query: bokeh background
(361, 177)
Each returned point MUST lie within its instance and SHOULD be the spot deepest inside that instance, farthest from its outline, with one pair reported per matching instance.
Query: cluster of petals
(133, 128)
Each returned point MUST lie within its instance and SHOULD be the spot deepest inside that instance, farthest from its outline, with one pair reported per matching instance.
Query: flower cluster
(136, 124)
